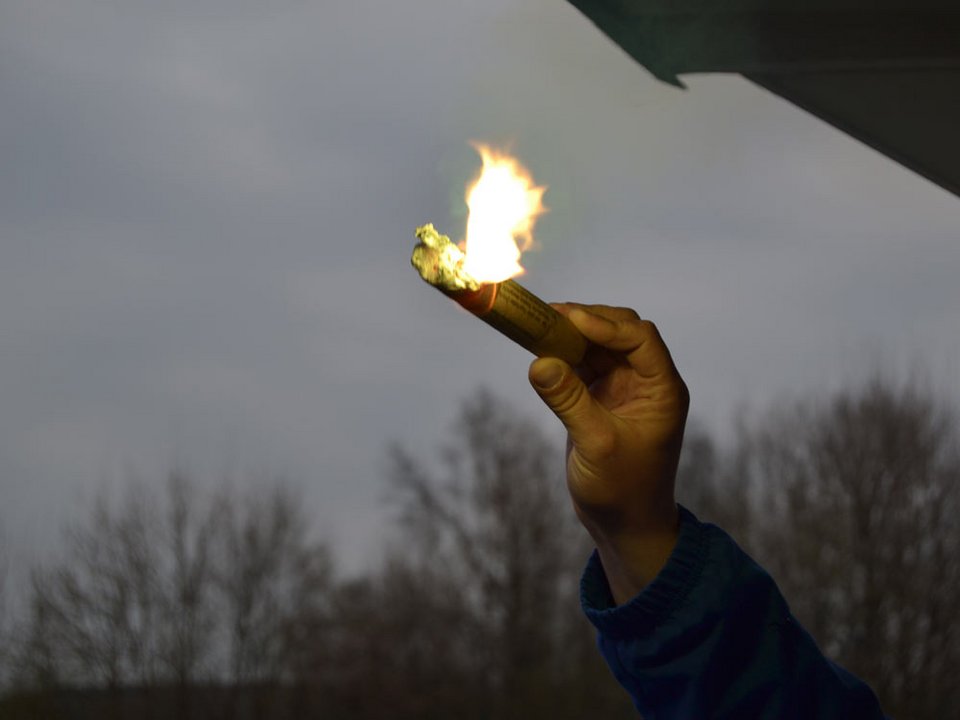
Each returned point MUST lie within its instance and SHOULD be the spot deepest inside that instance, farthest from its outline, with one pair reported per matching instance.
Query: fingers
(621, 330)
(566, 395)
(607, 311)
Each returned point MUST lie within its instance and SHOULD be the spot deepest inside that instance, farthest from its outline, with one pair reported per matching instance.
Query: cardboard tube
(507, 306)
(524, 318)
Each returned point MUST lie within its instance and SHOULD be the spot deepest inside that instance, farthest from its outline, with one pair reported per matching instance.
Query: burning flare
(504, 205)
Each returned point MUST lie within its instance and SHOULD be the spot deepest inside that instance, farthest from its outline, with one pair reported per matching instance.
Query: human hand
(624, 409)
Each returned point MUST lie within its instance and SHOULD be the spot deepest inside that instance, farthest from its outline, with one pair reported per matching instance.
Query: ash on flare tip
(440, 262)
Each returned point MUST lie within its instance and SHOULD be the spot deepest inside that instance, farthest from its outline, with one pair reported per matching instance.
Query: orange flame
(504, 205)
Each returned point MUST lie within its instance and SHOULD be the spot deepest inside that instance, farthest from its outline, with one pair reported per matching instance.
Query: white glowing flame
(504, 205)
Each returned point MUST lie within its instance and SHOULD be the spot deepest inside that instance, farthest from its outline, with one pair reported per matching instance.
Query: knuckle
(636, 330)
(568, 397)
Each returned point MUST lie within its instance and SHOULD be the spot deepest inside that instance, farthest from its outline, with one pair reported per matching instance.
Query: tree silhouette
(174, 592)
(491, 529)
(861, 505)
(221, 605)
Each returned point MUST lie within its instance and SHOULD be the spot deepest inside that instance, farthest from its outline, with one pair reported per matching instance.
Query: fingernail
(546, 374)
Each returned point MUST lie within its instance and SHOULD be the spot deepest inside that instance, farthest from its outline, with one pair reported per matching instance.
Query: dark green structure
(886, 72)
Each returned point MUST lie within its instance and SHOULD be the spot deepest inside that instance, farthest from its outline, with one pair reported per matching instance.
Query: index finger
(607, 311)
(621, 330)
(599, 360)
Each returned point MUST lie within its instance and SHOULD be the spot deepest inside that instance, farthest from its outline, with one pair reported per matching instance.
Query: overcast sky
(207, 209)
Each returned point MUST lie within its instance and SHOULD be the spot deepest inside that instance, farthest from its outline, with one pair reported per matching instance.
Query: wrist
(633, 558)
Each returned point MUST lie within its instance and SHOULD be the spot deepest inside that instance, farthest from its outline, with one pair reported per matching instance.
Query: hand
(624, 409)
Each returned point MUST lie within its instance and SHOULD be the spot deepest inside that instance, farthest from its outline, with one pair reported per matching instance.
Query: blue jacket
(712, 637)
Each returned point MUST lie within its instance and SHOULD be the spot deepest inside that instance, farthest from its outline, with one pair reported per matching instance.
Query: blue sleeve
(712, 637)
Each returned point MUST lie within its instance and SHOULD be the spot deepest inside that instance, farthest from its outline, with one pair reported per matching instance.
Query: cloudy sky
(207, 209)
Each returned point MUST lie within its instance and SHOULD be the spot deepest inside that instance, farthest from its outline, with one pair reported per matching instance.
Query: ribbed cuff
(665, 593)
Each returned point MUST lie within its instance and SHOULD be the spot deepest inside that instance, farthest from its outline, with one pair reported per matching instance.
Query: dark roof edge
(854, 130)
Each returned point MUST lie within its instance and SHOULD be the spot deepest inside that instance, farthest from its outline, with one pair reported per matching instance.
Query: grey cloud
(206, 211)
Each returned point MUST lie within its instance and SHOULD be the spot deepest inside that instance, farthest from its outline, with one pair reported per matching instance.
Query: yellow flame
(504, 205)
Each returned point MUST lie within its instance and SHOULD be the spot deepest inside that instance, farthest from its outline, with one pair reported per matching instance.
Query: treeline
(175, 604)
(853, 504)
(180, 604)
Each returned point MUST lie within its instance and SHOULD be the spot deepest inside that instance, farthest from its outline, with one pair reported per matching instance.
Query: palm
(632, 452)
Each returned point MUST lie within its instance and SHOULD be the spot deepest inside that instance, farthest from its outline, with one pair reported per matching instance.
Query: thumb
(569, 399)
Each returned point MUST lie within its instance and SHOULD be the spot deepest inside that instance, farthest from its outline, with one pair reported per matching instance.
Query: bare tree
(862, 505)
(712, 484)
(186, 595)
(6, 634)
(172, 591)
(96, 611)
(492, 534)
(129, 604)
(404, 633)
(273, 583)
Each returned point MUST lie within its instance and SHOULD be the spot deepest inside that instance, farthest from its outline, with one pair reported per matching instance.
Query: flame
(504, 205)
